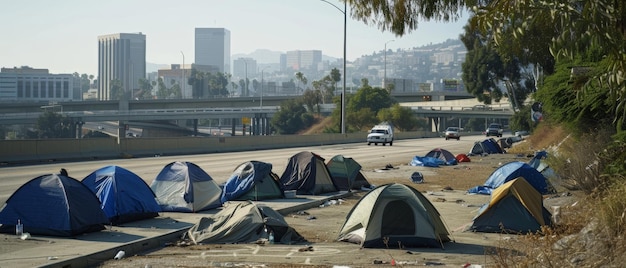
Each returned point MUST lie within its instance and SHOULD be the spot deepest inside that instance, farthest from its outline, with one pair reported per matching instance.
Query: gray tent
(391, 215)
(243, 222)
(307, 173)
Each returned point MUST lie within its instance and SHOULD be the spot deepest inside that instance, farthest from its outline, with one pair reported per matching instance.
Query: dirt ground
(445, 187)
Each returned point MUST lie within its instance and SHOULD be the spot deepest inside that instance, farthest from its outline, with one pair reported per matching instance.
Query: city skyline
(62, 36)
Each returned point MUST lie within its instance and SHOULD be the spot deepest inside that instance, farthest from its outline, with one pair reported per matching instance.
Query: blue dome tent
(54, 205)
(125, 197)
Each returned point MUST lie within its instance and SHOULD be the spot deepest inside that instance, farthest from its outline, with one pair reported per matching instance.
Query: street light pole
(262, 70)
(385, 75)
(343, 91)
(182, 80)
(245, 62)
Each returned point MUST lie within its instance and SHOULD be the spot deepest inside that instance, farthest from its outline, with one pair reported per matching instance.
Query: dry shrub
(543, 137)
(578, 162)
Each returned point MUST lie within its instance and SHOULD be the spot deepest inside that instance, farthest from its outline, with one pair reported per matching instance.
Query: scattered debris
(311, 218)
(302, 212)
(447, 188)
(439, 199)
(309, 248)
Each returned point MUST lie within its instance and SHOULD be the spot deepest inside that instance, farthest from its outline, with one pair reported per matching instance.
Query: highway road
(221, 165)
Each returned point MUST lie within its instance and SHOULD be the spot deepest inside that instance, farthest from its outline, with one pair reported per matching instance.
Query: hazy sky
(62, 36)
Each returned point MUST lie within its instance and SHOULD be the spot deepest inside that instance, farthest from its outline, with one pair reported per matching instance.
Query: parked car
(453, 133)
(494, 129)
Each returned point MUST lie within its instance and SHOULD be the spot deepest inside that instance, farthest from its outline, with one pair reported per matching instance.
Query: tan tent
(391, 215)
(515, 207)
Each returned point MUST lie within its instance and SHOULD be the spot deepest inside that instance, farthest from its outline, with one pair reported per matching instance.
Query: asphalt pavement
(132, 238)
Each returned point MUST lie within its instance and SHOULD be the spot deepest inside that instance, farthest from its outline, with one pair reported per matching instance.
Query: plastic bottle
(271, 237)
(19, 228)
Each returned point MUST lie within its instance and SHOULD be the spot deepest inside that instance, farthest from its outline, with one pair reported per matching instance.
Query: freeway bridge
(233, 110)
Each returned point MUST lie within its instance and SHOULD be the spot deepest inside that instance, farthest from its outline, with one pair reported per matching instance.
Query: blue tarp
(511, 171)
(425, 161)
(54, 205)
(125, 197)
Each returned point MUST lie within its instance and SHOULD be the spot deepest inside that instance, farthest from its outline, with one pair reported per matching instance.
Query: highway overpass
(232, 109)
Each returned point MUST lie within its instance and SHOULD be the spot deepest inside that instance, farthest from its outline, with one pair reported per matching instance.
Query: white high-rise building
(121, 57)
(212, 47)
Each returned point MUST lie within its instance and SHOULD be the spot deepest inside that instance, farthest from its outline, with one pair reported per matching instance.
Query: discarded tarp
(444, 155)
(511, 171)
(252, 180)
(125, 197)
(243, 222)
(55, 205)
(515, 207)
(185, 187)
(463, 158)
(424, 161)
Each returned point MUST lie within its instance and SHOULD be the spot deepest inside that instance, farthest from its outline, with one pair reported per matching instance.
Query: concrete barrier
(25, 151)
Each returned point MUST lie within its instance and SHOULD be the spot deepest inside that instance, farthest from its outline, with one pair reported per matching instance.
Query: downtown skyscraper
(212, 47)
(121, 59)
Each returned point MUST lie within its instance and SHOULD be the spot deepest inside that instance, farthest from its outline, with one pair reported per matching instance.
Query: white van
(382, 133)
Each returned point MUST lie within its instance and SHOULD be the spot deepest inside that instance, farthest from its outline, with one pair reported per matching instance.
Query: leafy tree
(162, 92)
(361, 119)
(301, 79)
(291, 118)
(197, 82)
(244, 90)
(335, 76)
(116, 90)
(53, 125)
(145, 88)
(218, 83)
(401, 117)
(85, 82)
(311, 99)
(369, 97)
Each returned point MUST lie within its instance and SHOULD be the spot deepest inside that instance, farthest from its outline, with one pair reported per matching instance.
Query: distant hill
(266, 56)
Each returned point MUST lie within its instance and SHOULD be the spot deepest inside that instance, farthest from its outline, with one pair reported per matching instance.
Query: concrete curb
(159, 241)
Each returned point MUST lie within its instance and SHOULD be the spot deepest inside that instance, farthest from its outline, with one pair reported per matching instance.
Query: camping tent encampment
(125, 197)
(346, 173)
(444, 155)
(253, 180)
(511, 171)
(394, 214)
(185, 187)
(53, 205)
(243, 222)
(307, 173)
(515, 207)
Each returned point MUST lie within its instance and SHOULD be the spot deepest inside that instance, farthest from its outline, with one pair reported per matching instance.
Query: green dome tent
(394, 214)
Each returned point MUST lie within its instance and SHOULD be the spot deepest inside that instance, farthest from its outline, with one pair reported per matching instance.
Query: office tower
(299, 60)
(212, 47)
(121, 57)
(30, 84)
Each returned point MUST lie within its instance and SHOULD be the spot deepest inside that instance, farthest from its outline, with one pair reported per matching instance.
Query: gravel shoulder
(445, 187)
